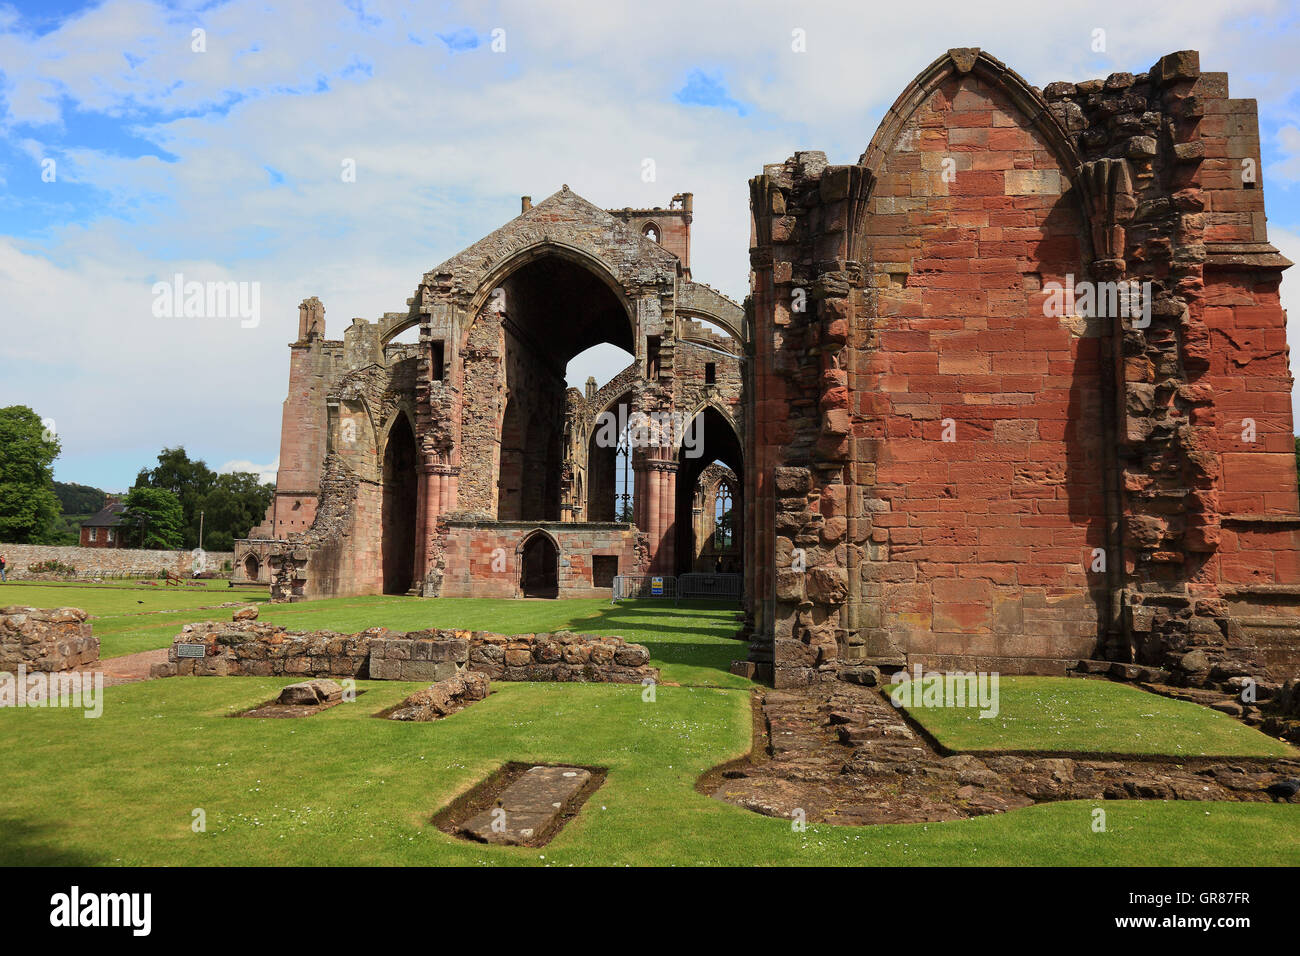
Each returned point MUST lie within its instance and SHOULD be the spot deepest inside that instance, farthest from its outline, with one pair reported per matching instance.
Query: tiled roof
(110, 516)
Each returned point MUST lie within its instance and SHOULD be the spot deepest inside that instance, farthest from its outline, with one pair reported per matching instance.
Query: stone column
(668, 547)
(422, 521)
(654, 526)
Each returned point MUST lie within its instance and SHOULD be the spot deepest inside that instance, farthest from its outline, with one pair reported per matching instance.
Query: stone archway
(252, 567)
(548, 308)
(539, 567)
(400, 497)
(716, 441)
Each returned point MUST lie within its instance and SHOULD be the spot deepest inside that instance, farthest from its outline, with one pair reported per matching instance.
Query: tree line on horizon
(165, 507)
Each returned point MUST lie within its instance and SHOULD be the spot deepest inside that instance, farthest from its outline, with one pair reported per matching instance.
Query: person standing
(4, 561)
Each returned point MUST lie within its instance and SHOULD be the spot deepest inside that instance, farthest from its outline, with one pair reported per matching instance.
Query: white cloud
(445, 144)
(266, 473)
(1287, 169)
(1288, 243)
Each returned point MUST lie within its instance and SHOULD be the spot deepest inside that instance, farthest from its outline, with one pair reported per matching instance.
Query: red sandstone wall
(303, 437)
(471, 550)
(988, 536)
(1248, 375)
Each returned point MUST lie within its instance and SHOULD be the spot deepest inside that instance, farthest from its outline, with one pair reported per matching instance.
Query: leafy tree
(236, 503)
(29, 510)
(189, 481)
(155, 518)
(224, 507)
(77, 499)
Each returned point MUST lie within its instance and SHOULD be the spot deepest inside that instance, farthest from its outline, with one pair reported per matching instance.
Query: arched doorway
(715, 443)
(401, 493)
(252, 567)
(539, 569)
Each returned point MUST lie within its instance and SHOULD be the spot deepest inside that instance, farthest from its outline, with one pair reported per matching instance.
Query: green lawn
(345, 788)
(130, 619)
(1071, 714)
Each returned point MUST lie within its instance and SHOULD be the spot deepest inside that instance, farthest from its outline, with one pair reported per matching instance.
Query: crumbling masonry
(463, 466)
(1009, 392)
(974, 481)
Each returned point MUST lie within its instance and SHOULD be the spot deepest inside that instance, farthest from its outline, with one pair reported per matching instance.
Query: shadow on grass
(642, 621)
(30, 844)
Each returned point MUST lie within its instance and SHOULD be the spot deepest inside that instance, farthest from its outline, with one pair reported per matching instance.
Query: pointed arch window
(722, 516)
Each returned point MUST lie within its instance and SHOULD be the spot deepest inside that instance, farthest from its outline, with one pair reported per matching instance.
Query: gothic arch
(381, 436)
(540, 250)
(959, 62)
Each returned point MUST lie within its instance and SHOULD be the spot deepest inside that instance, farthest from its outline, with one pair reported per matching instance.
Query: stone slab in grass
(1073, 715)
(529, 809)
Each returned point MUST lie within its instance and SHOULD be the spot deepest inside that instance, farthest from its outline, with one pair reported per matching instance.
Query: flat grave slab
(531, 809)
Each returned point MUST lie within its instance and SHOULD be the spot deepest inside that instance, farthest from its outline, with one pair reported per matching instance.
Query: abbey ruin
(1009, 392)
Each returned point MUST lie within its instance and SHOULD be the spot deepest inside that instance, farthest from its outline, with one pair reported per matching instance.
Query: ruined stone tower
(957, 462)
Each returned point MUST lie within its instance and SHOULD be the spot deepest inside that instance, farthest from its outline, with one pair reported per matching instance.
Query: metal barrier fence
(644, 586)
(717, 587)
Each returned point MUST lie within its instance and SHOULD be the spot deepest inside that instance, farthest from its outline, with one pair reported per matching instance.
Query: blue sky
(224, 163)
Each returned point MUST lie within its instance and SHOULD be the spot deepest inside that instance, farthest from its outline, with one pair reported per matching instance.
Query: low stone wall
(435, 655)
(258, 648)
(561, 656)
(104, 560)
(56, 639)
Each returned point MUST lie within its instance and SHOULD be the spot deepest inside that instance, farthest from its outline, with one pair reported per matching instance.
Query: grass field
(1047, 713)
(128, 617)
(346, 788)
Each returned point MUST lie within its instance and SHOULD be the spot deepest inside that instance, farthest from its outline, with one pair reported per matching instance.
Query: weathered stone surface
(46, 639)
(261, 648)
(312, 692)
(947, 513)
(842, 754)
(443, 698)
(528, 807)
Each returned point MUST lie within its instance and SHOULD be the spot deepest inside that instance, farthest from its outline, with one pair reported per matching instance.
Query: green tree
(155, 518)
(221, 507)
(190, 481)
(236, 503)
(77, 499)
(29, 509)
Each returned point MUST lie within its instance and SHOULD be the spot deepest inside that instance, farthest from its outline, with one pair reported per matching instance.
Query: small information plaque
(191, 650)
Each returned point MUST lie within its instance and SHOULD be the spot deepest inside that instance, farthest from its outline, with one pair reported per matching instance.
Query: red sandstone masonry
(255, 648)
(929, 427)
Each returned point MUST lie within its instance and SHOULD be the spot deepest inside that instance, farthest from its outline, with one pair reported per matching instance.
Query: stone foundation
(54, 639)
(260, 649)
